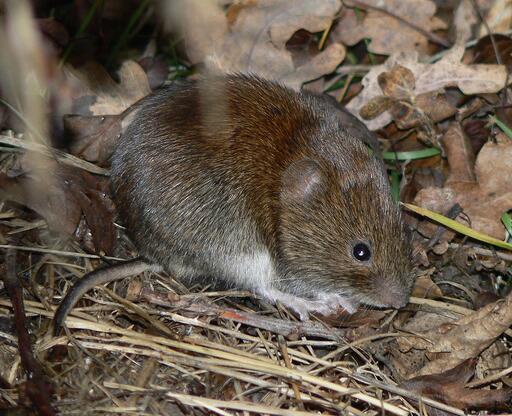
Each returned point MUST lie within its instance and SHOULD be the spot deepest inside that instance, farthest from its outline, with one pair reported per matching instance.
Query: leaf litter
(388, 34)
(153, 345)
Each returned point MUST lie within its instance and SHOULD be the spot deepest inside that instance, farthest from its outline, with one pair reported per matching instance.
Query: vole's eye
(361, 252)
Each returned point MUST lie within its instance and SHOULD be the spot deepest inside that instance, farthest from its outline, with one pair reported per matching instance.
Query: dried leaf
(450, 344)
(493, 360)
(202, 23)
(257, 36)
(323, 63)
(93, 137)
(72, 192)
(483, 201)
(387, 33)
(498, 18)
(435, 105)
(54, 32)
(98, 102)
(61, 212)
(463, 20)
(424, 287)
(486, 54)
(399, 99)
(96, 93)
(448, 387)
(91, 194)
(460, 155)
(406, 115)
(375, 107)
(422, 323)
(448, 72)
(412, 112)
(157, 70)
(478, 132)
(397, 83)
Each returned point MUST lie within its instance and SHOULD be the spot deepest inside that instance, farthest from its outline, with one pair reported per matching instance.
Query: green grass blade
(411, 155)
(506, 129)
(507, 221)
(126, 34)
(83, 26)
(456, 226)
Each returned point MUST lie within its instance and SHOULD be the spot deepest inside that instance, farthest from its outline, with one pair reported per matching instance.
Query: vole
(238, 179)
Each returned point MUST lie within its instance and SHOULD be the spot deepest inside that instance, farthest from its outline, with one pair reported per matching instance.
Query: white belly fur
(256, 272)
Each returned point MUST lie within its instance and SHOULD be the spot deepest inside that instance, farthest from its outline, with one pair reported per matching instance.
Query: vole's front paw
(299, 305)
(324, 304)
(334, 302)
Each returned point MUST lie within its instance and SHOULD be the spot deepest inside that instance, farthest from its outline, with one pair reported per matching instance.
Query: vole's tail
(95, 278)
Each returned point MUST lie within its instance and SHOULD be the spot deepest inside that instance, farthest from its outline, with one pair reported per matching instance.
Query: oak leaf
(97, 94)
(486, 198)
(449, 344)
(430, 78)
(98, 106)
(449, 387)
(252, 37)
(386, 33)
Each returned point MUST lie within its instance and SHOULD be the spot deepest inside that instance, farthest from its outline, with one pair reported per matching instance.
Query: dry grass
(120, 357)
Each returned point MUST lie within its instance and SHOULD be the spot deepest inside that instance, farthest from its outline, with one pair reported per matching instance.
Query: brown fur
(198, 179)
(240, 180)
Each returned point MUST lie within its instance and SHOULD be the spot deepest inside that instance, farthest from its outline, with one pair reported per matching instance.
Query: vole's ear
(301, 180)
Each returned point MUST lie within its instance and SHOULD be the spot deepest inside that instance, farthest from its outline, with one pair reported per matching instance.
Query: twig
(490, 379)
(39, 388)
(489, 32)
(484, 252)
